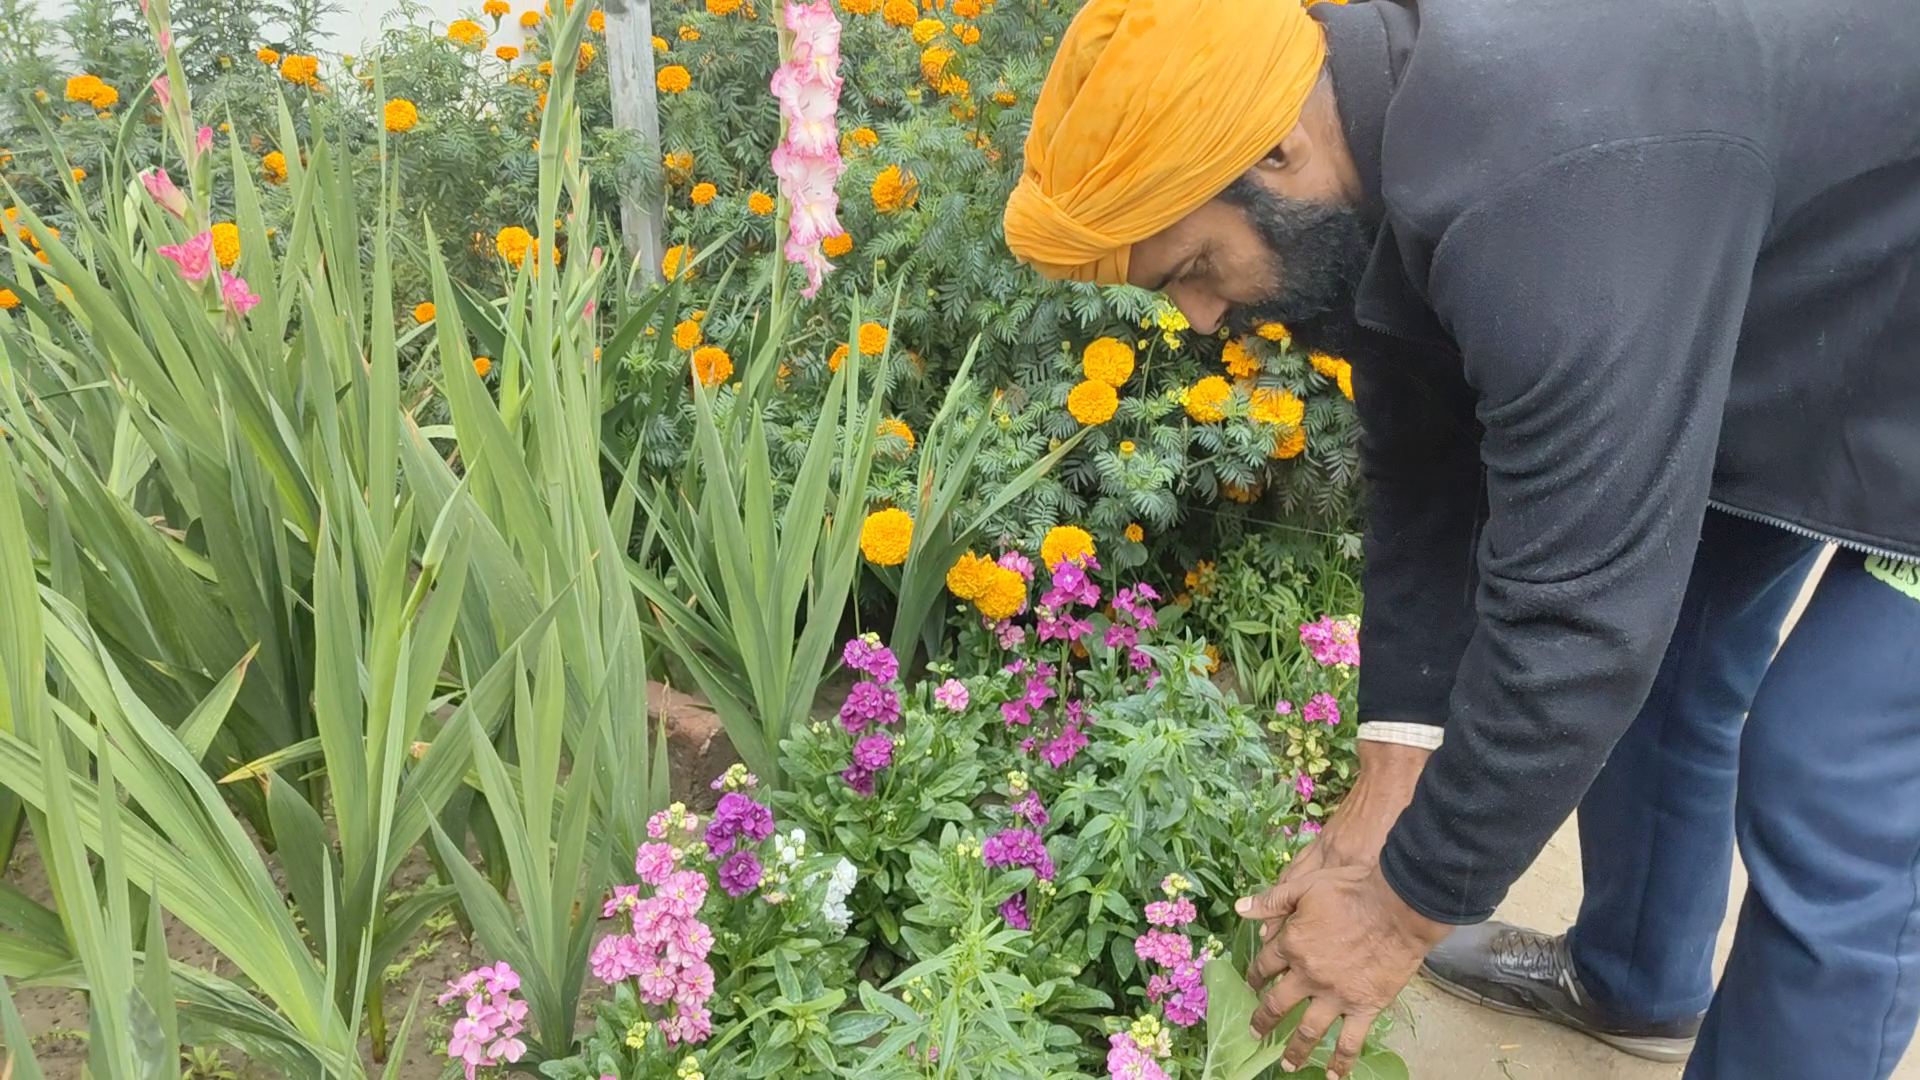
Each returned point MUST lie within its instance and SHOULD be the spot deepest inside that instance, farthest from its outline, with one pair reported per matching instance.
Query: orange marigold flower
(9, 299)
(423, 312)
(673, 79)
(968, 34)
(467, 34)
(529, 19)
(1345, 379)
(839, 357)
(894, 189)
(760, 203)
(873, 339)
(971, 576)
(886, 536)
(1004, 98)
(860, 138)
(1241, 493)
(924, 30)
(722, 8)
(301, 70)
(584, 58)
(597, 22)
(1108, 360)
(1006, 594)
(1292, 445)
(1276, 406)
(703, 193)
(1274, 332)
(1093, 402)
(678, 258)
(267, 56)
(711, 365)
(274, 165)
(400, 115)
(837, 245)
(688, 33)
(1065, 543)
(1241, 363)
(1135, 533)
(482, 365)
(1206, 399)
(659, 44)
(897, 428)
(509, 53)
(952, 85)
(1325, 364)
(226, 243)
(78, 174)
(859, 7)
(495, 8)
(686, 334)
(899, 12)
(933, 63)
(512, 244)
(545, 67)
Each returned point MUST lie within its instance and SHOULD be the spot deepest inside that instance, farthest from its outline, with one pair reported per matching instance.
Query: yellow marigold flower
(1276, 406)
(1107, 360)
(1065, 543)
(1213, 659)
(584, 59)
(673, 79)
(1325, 364)
(968, 34)
(597, 21)
(760, 203)
(722, 8)
(837, 245)
(1004, 98)
(898, 428)
(226, 243)
(899, 12)
(1093, 402)
(971, 576)
(482, 365)
(1274, 332)
(1006, 594)
(1240, 493)
(860, 138)
(1205, 400)
(275, 167)
(509, 53)
(423, 312)
(301, 70)
(9, 299)
(1345, 379)
(894, 189)
(1292, 445)
(967, 9)
(495, 8)
(933, 62)
(401, 115)
(679, 162)
(703, 193)
(267, 56)
(83, 87)
(688, 33)
(467, 34)
(659, 44)
(924, 30)
(886, 536)
(686, 334)
(529, 19)
(873, 339)
(711, 365)
(839, 357)
(859, 7)
(545, 67)
(512, 244)
(677, 258)
(1126, 448)
(1135, 533)
(78, 174)
(952, 85)
(1240, 361)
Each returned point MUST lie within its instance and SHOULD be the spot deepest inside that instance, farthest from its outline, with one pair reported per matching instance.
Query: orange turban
(1153, 107)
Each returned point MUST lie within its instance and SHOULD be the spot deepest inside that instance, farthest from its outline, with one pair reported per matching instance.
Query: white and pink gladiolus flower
(808, 162)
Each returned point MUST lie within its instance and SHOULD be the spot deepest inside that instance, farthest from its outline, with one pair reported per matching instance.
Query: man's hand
(1359, 826)
(1348, 943)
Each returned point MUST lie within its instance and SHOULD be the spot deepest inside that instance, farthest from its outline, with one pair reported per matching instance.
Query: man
(1632, 292)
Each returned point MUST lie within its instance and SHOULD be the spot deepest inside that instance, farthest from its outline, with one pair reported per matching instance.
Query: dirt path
(1448, 1039)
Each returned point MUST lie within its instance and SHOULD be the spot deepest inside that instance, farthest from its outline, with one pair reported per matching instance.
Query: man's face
(1253, 256)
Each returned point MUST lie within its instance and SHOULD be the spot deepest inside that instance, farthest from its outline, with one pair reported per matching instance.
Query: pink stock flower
(233, 289)
(489, 1032)
(616, 958)
(1167, 950)
(1304, 785)
(161, 187)
(951, 695)
(1176, 912)
(1322, 708)
(194, 258)
(624, 898)
(653, 863)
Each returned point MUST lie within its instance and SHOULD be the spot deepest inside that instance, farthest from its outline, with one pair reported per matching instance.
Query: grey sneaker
(1523, 973)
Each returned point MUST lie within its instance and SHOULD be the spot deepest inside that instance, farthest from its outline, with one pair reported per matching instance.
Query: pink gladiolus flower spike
(194, 258)
(160, 186)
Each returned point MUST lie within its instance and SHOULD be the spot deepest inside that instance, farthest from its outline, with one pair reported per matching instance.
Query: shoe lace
(1536, 956)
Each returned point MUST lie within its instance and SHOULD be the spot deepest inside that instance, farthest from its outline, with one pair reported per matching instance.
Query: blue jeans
(1821, 784)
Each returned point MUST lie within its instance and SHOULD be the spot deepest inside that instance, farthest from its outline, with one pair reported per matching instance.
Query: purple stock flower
(1304, 785)
(1014, 910)
(1071, 585)
(873, 753)
(865, 654)
(1322, 708)
(1018, 847)
(1136, 603)
(1030, 809)
(1120, 635)
(741, 873)
(737, 816)
(1333, 642)
(1065, 746)
(859, 779)
(869, 703)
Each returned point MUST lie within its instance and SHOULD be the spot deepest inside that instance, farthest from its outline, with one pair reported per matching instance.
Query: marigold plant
(1092, 402)
(1066, 543)
(400, 115)
(423, 312)
(1108, 360)
(673, 79)
(1206, 400)
(886, 536)
(226, 243)
(712, 365)
(703, 193)
(873, 339)
(837, 245)
(760, 204)
(467, 34)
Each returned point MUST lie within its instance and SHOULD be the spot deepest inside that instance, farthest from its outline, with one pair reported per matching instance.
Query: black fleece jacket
(1635, 258)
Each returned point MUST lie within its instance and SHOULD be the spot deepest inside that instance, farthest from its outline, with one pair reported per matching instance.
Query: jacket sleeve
(1597, 301)
(1420, 458)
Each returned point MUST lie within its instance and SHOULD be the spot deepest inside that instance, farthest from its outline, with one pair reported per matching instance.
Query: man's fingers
(1353, 1035)
(1268, 964)
(1306, 862)
(1277, 902)
(1276, 1003)
(1313, 1027)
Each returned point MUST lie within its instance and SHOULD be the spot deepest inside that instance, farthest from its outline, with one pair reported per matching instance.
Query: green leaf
(1232, 1051)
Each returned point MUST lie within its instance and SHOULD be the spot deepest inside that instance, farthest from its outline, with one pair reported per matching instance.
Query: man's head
(1194, 147)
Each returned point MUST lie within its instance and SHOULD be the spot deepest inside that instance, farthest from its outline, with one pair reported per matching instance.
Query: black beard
(1319, 251)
